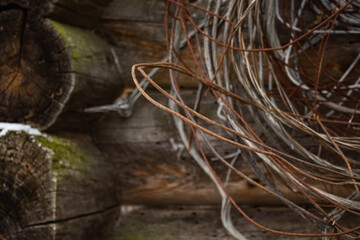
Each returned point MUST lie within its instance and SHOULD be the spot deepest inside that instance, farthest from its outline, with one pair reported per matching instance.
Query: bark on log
(48, 68)
(52, 188)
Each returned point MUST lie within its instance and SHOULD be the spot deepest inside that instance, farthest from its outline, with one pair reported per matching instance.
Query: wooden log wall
(156, 168)
(203, 223)
(60, 186)
(56, 60)
(138, 26)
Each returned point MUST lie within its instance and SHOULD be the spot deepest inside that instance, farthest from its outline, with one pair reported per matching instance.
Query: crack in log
(126, 20)
(109, 208)
(21, 42)
(23, 25)
(15, 205)
(22, 34)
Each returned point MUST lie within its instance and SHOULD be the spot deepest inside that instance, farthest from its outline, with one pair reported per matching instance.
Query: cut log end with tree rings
(55, 188)
(25, 186)
(48, 69)
(35, 78)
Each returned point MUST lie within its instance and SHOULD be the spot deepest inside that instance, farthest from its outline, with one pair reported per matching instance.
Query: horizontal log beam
(156, 168)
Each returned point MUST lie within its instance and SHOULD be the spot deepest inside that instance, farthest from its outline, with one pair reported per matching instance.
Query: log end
(35, 78)
(25, 188)
(54, 188)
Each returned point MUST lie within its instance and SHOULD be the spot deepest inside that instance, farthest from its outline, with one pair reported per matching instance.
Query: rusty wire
(287, 99)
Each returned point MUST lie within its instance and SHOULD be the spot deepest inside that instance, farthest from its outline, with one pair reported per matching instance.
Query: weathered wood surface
(53, 188)
(97, 79)
(35, 70)
(143, 150)
(48, 68)
(153, 170)
(203, 223)
(84, 13)
(138, 27)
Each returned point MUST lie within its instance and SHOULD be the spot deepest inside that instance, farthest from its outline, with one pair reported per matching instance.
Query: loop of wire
(287, 95)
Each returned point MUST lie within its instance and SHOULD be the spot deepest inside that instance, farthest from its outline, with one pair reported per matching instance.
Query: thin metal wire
(291, 115)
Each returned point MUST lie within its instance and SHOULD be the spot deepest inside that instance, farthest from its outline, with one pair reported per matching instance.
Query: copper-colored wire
(138, 67)
(307, 107)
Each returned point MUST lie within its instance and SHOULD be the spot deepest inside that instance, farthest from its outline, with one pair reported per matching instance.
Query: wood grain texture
(84, 13)
(154, 171)
(45, 64)
(35, 70)
(54, 188)
(97, 80)
(138, 26)
(204, 223)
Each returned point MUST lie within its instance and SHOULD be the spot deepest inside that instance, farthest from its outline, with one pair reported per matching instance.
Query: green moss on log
(84, 45)
(67, 158)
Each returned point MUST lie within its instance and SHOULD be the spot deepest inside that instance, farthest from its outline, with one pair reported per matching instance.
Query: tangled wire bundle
(286, 77)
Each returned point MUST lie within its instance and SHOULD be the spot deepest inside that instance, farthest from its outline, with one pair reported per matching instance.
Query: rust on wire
(286, 77)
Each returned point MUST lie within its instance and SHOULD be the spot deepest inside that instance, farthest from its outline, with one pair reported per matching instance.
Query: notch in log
(48, 68)
(52, 188)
